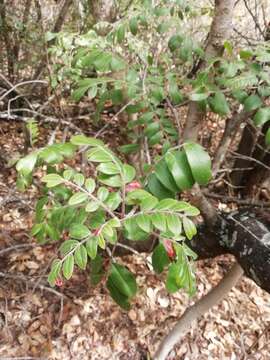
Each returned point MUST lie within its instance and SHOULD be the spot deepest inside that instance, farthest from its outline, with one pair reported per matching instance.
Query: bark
(232, 126)
(5, 33)
(219, 32)
(56, 28)
(245, 147)
(103, 10)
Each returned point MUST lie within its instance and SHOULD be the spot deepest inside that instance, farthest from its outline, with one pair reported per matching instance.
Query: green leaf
(67, 149)
(79, 231)
(78, 179)
(130, 148)
(178, 165)
(262, 116)
(96, 270)
(253, 102)
(174, 224)
(144, 222)
(108, 168)
(91, 206)
(218, 104)
(68, 267)
(129, 173)
(189, 228)
(113, 200)
(164, 176)
(80, 92)
(115, 223)
(157, 189)
(175, 42)
(52, 180)
(117, 296)
(55, 271)
(91, 247)
(120, 34)
(151, 129)
(123, 280)
(77, 198)
(133, 25)
(51, 155)
(101, 241)
(148, 203)
(82, 140)
(67, 174)
(159, 221)
(90, 185)
(113, 181)
(102, 193)
(67, 246)
(99, 155)
(80, 257)
(133, 231)
(240, 95)
(171, 282)
(198, 96)
(155, 139)
(117, 64)
(26, 165)
(199, 162)
(160, 258)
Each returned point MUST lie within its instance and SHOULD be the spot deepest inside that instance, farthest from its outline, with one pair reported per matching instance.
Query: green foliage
(179, 170)
(33, 131)
(91, 213)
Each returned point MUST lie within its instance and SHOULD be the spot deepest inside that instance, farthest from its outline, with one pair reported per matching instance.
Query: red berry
(133, 186)
(59, 282)
(169, 248)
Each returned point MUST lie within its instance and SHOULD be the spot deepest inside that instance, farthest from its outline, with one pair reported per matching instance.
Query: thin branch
(232, 125)
(197, 310)
(21, 84)
(254, 18)
(245, 157)
(228, 199)
(17, 247)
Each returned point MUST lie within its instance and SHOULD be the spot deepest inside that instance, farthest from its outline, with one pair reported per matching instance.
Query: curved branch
(197, 310)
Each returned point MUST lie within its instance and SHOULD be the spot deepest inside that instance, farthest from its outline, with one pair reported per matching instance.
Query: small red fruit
(59, 282)
(169, 248)
(133, 186)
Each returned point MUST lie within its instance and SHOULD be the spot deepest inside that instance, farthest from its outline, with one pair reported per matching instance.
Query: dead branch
(232, 126)
(194, 312)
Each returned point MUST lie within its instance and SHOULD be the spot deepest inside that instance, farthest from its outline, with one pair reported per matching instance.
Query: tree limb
(197, 310)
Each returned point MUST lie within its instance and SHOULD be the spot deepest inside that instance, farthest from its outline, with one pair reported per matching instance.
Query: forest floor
(79, 321)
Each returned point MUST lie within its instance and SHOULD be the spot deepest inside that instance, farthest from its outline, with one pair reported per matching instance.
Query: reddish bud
(96, 232)
(169, 248)
(59, 282)
(133, 186)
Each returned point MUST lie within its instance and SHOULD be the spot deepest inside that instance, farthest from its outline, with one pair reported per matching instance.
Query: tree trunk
(219, 32)
(103, 10)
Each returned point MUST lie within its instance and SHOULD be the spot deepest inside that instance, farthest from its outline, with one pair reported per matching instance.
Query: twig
(232, 126)
(249, 350)
(257, 25)
(228, 199)
(245, 157)
(21, 84)
(17, 247)
(176, 116)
